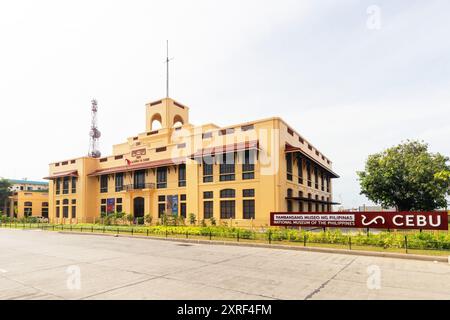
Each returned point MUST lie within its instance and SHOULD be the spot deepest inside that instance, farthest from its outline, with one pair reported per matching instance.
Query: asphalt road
(48, 265)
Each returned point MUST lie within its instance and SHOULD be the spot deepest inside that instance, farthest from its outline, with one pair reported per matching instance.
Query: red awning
(73, 173)
(242, 146)
(292, 149)
(139, 166)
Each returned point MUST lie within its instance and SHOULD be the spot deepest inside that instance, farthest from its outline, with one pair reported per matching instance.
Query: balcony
(138, 186)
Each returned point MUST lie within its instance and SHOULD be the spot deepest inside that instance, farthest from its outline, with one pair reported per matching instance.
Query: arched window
(65, 201)
(228, 193)
(177, 121)
(156, 122)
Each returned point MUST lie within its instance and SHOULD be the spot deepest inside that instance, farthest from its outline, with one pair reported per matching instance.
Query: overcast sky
(353, 77)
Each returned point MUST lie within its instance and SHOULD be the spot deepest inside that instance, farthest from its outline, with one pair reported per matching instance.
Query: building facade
(236, 174)
(28, 199)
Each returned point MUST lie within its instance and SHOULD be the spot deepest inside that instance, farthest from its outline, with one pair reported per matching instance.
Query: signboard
(373, 220)
(110, 205)
(172, 205)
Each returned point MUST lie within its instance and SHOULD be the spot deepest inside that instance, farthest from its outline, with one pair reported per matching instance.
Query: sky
(353, 77)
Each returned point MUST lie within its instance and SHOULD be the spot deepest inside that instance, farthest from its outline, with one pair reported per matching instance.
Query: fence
(434, 243)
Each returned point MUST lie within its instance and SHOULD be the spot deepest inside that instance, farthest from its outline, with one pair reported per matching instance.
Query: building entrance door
(138, 207)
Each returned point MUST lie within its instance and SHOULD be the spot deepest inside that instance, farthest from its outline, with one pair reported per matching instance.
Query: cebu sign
(375, 220)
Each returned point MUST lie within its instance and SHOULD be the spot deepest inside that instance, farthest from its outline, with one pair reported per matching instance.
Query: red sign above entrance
(375, 220)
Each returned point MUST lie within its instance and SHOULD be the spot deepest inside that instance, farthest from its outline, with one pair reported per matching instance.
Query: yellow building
(236, 174)
(28, 198)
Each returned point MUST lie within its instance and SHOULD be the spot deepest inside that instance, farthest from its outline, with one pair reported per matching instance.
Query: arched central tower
(167, 112)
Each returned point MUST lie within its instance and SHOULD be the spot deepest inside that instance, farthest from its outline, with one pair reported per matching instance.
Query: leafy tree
(4, 193)
(408, 177)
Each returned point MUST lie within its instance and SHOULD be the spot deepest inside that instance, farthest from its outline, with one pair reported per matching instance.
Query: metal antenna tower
(95, 134)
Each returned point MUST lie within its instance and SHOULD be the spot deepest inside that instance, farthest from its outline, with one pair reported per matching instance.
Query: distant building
(28, 198)
(26, 185)
(365, 208)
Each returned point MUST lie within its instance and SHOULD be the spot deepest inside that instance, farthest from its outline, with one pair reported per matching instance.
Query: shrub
(130, 218)
(192, 218)
(148, 219)
(140, 220)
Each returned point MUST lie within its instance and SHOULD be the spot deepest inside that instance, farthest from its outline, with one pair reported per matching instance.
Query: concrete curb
(278, 246)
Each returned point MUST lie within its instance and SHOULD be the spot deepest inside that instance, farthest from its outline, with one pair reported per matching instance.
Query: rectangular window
(300, 169)
(65, 211)
(66, 185)
(161, 178)
(300, 203)
(119, 182)
(308, 172)
(57, 212)
(206, 135)
(74, 185)
(45, 212)
(182, 197)
(208, 209)
(208, 195)
(248, 167)
(58, 186)
(322, 186)
(227, 167)
(247, 127)
(102, 209)
(28, 212)
(161, 209)
(290, 131)
(104, 184)
(225, 132)
(289, 206)
(182, 175)
(139, 180)
(248, 193)
(74, 212)
(161, 198)
(119, 208)
(289, 166)
(208, 170)
(316, 178)
(227, 209)
(249, 209)
(183, 209)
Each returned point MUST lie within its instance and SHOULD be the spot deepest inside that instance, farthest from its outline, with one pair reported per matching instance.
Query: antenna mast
(167, 68)
(95, 134)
